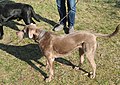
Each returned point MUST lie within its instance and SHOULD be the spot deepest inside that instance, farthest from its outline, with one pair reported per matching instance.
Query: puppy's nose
(17, 33)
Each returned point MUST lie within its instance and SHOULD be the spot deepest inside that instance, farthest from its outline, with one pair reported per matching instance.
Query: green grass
(19, 62)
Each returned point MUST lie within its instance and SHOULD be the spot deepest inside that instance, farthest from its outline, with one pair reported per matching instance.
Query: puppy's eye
(33, 36)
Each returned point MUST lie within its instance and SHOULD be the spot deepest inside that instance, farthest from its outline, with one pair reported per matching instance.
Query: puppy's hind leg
(92, 62)
(81, 55)
(90, 56)
(82, 52)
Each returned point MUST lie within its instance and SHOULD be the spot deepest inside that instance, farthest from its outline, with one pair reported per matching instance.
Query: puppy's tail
(34, 15)
(109, 35)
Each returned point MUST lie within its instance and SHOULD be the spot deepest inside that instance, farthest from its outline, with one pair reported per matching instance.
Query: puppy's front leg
(51, 71)
(47, 65)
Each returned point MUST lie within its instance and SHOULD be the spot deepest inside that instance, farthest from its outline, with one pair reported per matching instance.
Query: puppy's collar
(41, 34)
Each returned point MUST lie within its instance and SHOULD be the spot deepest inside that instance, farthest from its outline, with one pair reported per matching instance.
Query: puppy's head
(29, 30)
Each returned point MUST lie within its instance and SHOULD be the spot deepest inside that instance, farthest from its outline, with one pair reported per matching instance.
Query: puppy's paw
(91, 75)
(86, 74)
(76, 67)
(20, 35)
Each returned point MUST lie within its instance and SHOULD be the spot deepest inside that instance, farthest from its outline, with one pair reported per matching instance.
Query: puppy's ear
(31, 32)
(30, 35)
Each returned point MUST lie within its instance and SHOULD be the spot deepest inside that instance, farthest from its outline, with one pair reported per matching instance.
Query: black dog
(16, 11)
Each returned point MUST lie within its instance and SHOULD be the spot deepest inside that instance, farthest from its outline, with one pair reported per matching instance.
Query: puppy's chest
(45, 44)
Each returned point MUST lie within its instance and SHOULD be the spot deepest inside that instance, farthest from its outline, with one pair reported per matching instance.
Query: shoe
(66, 30)
(59, 28)
(71, 29)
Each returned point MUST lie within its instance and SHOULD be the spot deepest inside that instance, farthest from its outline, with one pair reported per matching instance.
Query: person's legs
(71, 16)
(62, 12)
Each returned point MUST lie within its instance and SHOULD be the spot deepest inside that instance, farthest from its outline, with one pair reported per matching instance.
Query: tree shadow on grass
(25, 53)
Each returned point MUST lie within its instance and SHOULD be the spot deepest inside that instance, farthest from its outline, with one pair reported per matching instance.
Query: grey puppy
(54, 46)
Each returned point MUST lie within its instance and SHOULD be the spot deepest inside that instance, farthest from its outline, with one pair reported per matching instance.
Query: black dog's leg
(1, 32)
(27, 21)
(32, 21)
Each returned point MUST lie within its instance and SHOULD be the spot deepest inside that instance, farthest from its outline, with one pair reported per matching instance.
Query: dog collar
(41, 35)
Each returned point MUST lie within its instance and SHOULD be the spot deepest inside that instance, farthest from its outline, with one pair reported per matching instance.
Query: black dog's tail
(34, 15)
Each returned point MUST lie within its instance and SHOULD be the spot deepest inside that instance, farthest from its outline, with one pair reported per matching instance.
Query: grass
(19, 62)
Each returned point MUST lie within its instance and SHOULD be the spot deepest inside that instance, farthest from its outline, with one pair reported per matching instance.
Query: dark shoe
(59, 28)
(71, 29)
(66, 30)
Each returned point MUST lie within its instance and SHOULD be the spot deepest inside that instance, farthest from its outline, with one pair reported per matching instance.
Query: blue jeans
(62, 11)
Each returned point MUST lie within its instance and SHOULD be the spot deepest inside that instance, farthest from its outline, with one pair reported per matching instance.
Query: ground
(23, 64)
